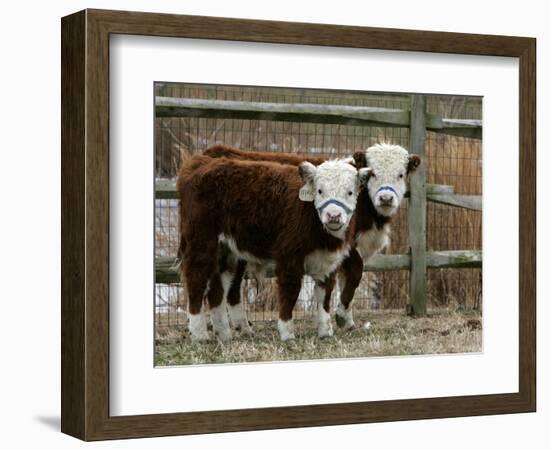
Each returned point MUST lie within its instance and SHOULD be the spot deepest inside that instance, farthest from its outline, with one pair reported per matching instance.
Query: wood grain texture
(417, 209)
(97, 225)
(72, 224)
(204, 27)
(473, 202)
(283, 112)
(85, 224)
(166, 268)
(527, 225)
(307, 416)
(166, 189)
(311, 113)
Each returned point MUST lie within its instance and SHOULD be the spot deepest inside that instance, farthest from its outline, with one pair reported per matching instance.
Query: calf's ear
(414, 162)
(360, 159)
(363, 176)
(307, 172)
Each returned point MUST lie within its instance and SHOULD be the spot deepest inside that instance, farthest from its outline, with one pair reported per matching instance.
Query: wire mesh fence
(451, 160)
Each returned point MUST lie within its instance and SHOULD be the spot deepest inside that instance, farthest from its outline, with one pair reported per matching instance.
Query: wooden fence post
(417, 208)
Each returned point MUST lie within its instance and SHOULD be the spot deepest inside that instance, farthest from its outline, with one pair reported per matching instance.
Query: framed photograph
(273, 225)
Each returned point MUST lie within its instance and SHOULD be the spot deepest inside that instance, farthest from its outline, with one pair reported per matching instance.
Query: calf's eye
(350, 193)
(400, 175)
(320, 191)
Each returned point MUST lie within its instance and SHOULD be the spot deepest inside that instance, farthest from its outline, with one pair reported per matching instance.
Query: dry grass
(391, 333)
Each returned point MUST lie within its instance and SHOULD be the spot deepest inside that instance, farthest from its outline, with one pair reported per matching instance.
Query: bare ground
(391, 333)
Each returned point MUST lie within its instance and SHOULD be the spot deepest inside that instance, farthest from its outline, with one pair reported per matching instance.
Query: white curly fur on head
(333, 187)
(389, 163)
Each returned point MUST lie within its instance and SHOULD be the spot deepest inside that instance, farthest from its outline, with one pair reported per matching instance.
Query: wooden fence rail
(166, 269)
(437, 193)
(312, 113)
(417, 119)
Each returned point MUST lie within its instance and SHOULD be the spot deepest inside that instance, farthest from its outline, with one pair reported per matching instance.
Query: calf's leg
(290, 283)
(218, 308)
(220, 284)
(351, 273)
(235, 306)
(321, 295)
(198, 266)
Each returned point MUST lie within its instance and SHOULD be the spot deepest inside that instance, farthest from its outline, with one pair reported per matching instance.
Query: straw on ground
(391, 334)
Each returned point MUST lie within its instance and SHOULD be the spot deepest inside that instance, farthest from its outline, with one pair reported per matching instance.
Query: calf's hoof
(344, 319)
(200, 338)
(340, 321)
(325, 331)
(245, 329)
(326, 335)
(223, 336)
(286, 330)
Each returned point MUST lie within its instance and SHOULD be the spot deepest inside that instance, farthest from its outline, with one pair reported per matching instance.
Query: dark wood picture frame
(85, 224)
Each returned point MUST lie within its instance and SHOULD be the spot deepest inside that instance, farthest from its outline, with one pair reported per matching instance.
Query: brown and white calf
(298, 219)
(390, 166)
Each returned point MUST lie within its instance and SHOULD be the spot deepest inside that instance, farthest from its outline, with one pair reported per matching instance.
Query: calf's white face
(333, 187)
(390, 165)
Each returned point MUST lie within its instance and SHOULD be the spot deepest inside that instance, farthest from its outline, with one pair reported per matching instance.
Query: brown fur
(366, 215)
(224, 151)
(257, 204)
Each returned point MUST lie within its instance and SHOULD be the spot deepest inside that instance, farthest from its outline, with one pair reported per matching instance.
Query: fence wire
(451, 160)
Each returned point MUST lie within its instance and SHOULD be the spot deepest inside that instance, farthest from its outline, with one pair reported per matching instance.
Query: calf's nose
(334, 218)
(386, 199)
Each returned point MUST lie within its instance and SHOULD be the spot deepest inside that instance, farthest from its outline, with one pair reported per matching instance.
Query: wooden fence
(417, 119)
